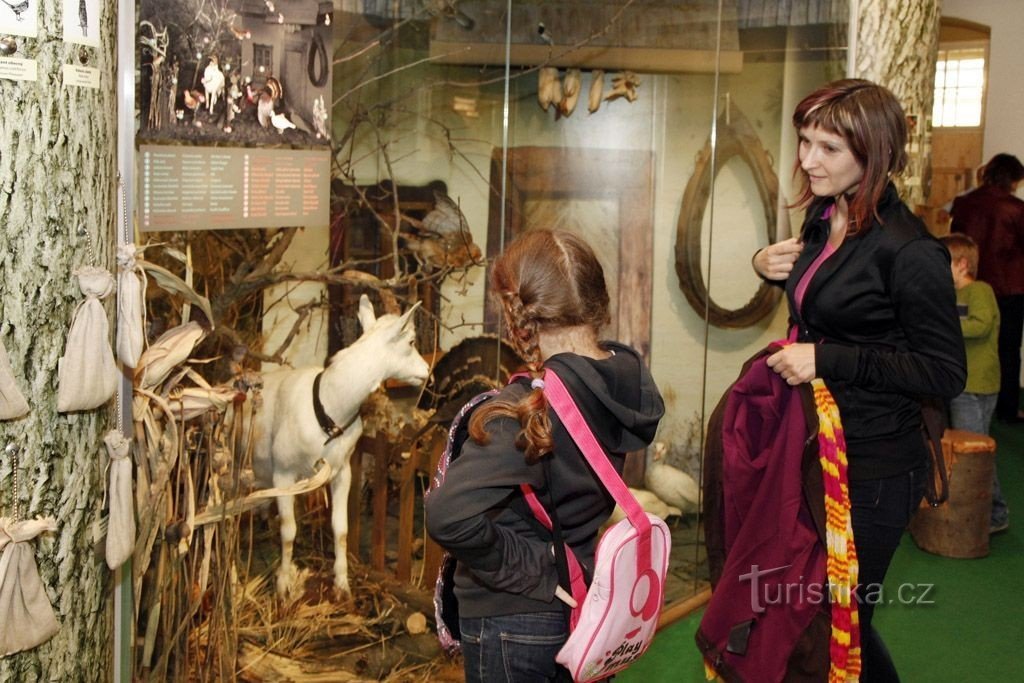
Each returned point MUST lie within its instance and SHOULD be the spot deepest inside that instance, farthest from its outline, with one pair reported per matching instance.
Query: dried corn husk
(166, 354)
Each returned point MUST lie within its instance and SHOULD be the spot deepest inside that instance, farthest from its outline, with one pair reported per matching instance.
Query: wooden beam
(646, 60)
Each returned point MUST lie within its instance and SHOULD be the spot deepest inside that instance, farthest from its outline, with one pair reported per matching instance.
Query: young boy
(979, 320)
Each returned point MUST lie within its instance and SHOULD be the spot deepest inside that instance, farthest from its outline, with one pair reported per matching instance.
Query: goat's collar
(330, 427)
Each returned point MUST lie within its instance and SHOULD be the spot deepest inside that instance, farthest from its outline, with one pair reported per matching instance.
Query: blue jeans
(973, 412)
(517, 648)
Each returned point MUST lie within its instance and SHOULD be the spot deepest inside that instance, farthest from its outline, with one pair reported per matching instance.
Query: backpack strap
(568, 412)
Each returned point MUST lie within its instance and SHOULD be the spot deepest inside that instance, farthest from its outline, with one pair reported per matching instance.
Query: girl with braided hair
(552, 293)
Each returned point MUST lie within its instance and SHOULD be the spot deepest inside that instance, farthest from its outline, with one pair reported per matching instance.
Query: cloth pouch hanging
(131, 288)
(26, 615)
(121, 519)
(87, 373)
(12, 401)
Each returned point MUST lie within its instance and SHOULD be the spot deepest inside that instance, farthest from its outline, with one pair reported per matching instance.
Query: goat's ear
(366, 316)
(407, 316)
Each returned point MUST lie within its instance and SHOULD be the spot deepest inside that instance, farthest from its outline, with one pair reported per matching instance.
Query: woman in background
(552, 292)
(872, 313)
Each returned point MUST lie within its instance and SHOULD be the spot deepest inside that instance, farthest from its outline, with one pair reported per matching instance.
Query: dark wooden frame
(573, 173)
(735, 137)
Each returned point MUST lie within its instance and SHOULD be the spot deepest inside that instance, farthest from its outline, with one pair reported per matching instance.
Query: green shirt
(979, 321)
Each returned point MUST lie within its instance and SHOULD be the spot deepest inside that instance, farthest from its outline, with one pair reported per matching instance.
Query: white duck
(675, 487)
(648, 501)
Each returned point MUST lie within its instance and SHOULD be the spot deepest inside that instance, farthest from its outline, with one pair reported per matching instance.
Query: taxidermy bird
(446, 218)
(650, 502)
(281, 122)
(624, 85)
(267, 100)
(193, 99)
(672, 485)
(549, 88)
(570, 93)
(433, 253)
(596, 90)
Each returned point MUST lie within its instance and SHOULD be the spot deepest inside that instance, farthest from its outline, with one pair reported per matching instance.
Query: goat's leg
(287, 574)
(339, 524)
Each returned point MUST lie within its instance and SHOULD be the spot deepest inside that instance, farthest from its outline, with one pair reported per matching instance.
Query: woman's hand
(794, 363)
(775, 262)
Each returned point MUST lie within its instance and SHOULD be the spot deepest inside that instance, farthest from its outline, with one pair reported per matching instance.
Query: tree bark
(897, 43)
(57, 175)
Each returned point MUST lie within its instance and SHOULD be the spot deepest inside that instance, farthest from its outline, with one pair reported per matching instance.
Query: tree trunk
(58, 175)
(897, 42)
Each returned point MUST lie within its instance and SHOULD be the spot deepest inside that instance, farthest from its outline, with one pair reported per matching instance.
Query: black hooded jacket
(504, 566)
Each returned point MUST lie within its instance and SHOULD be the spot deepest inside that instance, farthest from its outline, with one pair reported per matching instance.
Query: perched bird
(624, 85)
(444, 238)
(446, 218)
(213, 82)
(650, 502)
(570, 92)
(549, 88)
(596, 90)
(267, 100)
(434, 254)
(672, 485)
(193, 99)
(281, 122)
(544, 34)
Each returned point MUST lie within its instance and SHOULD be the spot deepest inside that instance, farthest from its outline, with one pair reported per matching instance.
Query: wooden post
(379, 532)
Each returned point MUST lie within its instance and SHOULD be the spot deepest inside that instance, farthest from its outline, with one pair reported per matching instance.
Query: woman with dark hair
(994, 218)
(551, 290)
(872, 314)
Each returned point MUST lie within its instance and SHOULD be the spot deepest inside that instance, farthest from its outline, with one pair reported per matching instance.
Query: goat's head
(395, 337)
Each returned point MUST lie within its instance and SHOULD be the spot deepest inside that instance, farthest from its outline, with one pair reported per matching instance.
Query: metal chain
(124, 207)
(12, 451)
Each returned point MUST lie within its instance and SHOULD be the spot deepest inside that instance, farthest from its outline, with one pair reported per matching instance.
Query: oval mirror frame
(736, 137)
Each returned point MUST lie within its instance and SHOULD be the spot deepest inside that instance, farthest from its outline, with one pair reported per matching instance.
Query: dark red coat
(764, 509)
(994, 218)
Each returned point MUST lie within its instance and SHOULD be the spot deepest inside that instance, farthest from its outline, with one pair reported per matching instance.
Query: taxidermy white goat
(291, 437)
(213, 82)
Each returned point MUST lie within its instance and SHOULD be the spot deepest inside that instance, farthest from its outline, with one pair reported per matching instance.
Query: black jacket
(883, 310)
(504, 566)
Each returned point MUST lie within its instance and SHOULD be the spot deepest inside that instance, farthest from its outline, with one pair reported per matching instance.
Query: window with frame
(959, 88)
(263, 60)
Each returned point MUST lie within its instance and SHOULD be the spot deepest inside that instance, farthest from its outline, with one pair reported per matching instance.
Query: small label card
(16, 69)
(81, 76)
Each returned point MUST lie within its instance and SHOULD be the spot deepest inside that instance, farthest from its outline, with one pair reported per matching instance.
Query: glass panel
(660, 131)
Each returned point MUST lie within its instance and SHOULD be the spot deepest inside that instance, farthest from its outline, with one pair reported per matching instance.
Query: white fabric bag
(12, 401)
(87, 374)
(26, 615)
(131, 288)
(121, 519)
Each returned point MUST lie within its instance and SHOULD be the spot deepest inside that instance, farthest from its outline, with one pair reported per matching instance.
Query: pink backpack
(616, 619)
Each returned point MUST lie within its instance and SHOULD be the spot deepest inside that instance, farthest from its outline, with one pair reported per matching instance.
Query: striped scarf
(841, 566)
